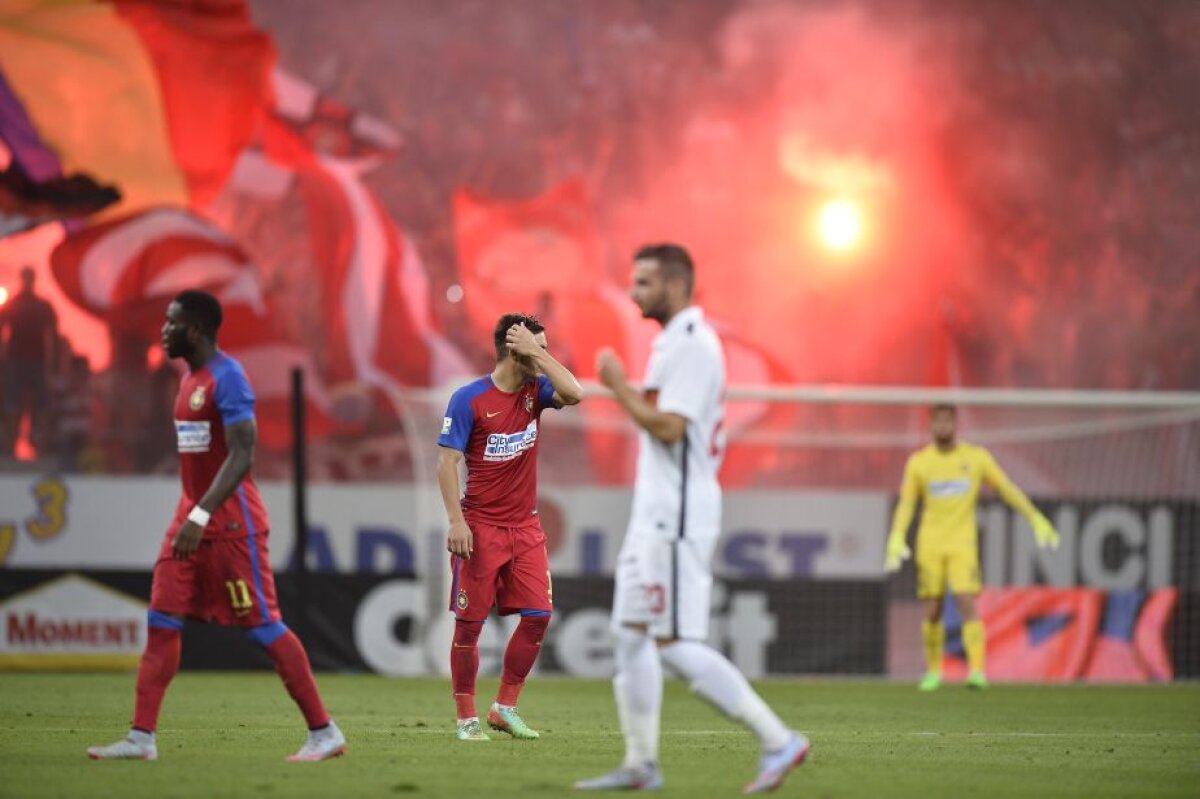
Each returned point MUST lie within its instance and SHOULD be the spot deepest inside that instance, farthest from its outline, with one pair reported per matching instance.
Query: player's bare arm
(522, 341)
(240, 439)
(459, 540)
(665, 427)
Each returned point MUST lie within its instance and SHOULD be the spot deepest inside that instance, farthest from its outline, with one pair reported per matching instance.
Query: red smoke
(822, 103)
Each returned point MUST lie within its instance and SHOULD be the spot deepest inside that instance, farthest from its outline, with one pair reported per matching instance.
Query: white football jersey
(677, 494)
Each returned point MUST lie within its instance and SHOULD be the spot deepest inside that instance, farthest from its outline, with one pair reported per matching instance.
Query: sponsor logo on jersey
(446, 423)
(506, 446)
(949, 488)
(196, 400)
(193, 436)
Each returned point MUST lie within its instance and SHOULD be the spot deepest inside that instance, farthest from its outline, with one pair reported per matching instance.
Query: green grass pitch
(226, 735)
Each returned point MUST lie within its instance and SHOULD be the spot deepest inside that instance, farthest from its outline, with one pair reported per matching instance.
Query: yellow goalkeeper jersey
(947, 483)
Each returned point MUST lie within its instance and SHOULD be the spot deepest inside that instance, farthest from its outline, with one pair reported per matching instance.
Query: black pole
(299, 473)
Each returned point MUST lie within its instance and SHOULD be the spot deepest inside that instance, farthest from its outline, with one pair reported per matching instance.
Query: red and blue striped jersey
(497, 432)
(211, 398)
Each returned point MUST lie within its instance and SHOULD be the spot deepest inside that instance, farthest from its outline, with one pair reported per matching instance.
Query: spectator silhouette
(29, 332)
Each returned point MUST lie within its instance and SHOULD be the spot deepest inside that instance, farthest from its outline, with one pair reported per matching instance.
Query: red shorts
(226, 580)
(508, 570)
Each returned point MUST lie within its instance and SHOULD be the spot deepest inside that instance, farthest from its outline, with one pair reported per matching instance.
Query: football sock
(638, 689)
(464, 665)
(519, 656)
(974, 642)
(291, 663)
(159, 664)
(714, 678)
(933, 636)
(142, 738)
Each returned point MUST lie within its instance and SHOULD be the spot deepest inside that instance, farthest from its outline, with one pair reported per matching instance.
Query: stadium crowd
(1067, 141)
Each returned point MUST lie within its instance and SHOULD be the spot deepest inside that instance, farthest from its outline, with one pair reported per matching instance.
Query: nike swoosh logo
(497, 413)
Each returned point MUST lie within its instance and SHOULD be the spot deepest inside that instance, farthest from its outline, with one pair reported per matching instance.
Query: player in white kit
(664, 571)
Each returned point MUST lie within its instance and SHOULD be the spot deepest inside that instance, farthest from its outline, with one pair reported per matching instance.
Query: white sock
(140, 737)
(714, 678)
(638, 688)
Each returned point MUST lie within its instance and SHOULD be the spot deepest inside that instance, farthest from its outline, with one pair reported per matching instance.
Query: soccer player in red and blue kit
(497, 547)
(213, 564)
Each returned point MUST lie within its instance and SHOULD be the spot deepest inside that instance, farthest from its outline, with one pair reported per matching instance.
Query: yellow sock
(934, 637)
(975, 644)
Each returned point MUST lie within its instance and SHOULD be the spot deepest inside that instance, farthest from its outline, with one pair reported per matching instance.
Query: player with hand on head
(945, 476)
(213, 564)
(496, 544)
(661, 599)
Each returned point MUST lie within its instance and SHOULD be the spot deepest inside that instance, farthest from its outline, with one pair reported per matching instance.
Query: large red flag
(128, 269)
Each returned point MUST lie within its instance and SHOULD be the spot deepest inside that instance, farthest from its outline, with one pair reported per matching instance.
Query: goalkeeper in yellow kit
(945, 475)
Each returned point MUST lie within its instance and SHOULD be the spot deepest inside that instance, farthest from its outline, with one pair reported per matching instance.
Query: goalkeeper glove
(897, 553)
(1044, 532)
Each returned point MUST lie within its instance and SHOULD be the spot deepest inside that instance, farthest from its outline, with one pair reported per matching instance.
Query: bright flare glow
(3, 295)
(840, 225)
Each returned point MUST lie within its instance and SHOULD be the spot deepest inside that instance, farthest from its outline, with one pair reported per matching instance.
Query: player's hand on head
(521, 341)
(460, 541)
(609, 367)
(186, 540)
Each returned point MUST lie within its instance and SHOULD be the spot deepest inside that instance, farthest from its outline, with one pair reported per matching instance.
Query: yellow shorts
(956, 570)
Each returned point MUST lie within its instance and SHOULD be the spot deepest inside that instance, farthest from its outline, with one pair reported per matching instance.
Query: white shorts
(665, 584)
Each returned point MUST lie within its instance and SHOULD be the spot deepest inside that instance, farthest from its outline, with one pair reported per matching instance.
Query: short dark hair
(500, 334)
(202, 308)
(673, 259)
(937, 407)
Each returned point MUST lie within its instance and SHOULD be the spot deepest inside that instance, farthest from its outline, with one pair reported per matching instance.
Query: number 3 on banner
(239, 595)
(51, 496)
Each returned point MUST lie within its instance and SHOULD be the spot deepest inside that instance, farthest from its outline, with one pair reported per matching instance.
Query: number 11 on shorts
(239, 595)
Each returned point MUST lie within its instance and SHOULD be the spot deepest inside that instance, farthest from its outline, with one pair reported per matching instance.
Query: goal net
(810, 477)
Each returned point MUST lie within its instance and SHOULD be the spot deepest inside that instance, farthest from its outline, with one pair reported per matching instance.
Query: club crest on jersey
(528, 404)
(461, 600)
(196, 400)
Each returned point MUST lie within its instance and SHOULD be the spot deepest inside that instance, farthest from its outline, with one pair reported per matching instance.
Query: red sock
(291, 662)
(159, 663)
(464, 665)
(522, 651)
